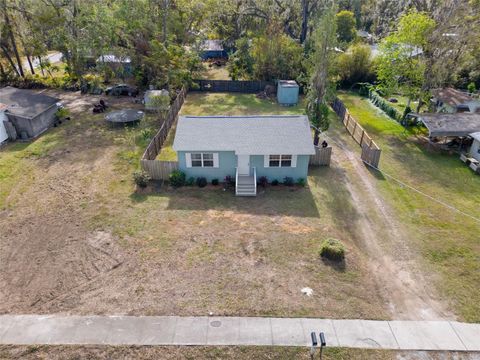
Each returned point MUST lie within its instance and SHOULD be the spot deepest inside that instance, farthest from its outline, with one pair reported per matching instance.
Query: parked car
(121, 89)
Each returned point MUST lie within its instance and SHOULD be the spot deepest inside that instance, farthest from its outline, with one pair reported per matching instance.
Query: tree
(355, 65)
(346, 26)
(401, 65)
(322, 60)
(240, 63)
(276, 56)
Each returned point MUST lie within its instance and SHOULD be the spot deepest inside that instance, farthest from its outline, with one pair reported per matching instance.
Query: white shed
(3, 117)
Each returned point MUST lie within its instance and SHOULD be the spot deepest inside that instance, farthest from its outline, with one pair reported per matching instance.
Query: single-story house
(449, 100)
(244, 147)
(29, 113)
(212, 49)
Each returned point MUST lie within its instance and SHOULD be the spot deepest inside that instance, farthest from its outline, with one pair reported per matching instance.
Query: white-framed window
(280, 161)
(202, 159)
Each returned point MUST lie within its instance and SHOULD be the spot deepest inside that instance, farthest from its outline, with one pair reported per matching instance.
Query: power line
(441, 202)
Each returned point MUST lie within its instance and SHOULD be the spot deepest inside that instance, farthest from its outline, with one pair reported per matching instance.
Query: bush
(471, 88)
(355, 66)
(275, 182)
(177, 178)
(263, 181)
(190, 181)
(141, 178)
(301, 182)
(201, 182)
(383, 104)
(215, 182)
(332, 249)
(288, 181)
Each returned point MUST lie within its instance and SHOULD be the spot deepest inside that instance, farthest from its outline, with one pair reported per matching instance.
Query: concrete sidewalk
(175, 330)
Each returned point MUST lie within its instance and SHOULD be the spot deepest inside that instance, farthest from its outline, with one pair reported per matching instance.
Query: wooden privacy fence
(322, 156)
(253, 86)
(157, 169)
(370, 150)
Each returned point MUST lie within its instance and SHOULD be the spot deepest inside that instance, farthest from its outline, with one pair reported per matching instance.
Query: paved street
(175, 330)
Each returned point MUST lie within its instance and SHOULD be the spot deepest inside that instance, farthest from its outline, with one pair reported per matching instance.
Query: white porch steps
(246, 186)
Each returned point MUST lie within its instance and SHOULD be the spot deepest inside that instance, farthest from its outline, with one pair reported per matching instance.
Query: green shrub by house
(177, 178)
(332, 249)
(201, 182)
(141, 178)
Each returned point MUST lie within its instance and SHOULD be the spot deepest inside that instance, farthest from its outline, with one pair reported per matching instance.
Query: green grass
(402, 102)
(447, 240)
(203, 104)
(16, 170)
(216, 73)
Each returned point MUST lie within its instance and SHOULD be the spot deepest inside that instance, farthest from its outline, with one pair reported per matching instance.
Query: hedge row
(383, 104)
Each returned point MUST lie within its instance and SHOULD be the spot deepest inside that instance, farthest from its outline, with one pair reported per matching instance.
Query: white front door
(243, 164)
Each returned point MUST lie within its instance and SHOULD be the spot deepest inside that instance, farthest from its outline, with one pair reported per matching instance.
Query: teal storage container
(287, 92)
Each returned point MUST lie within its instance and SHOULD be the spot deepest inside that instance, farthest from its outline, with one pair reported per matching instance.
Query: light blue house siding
(227, 163)
(279, 173)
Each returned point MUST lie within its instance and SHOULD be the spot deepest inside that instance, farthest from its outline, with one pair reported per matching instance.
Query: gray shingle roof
(445, 124)
(254, 135)
(25, 103)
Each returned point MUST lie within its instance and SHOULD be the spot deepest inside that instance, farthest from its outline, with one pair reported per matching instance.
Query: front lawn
(203, 104)
(77, 238)
(447, 240)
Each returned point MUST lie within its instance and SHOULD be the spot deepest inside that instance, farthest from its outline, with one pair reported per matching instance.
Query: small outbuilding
(287, 92)
(29, 113)
(244, 147)
(212, 49)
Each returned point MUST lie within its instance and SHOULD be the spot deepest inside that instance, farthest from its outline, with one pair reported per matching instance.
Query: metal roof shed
(287, 92)
(458, 124)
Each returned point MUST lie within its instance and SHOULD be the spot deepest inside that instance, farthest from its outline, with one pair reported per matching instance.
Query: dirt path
(396, 268)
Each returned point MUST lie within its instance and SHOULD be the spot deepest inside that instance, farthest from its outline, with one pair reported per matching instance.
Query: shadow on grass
(376, 173)
(271, 201)
(339, 266)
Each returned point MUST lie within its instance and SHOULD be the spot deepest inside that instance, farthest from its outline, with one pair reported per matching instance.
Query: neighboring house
(365, 35)
(244, 147)
(212, 49)
(449, 100)
(28, 112)
(120, 65)
(3, 117)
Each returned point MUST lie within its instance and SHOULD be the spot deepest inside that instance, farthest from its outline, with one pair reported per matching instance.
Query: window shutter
(188, 159)
(294, 160)
(266, 161)
(215, 160)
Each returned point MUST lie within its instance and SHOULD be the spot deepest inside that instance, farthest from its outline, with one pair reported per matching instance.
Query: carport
(450, 125)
